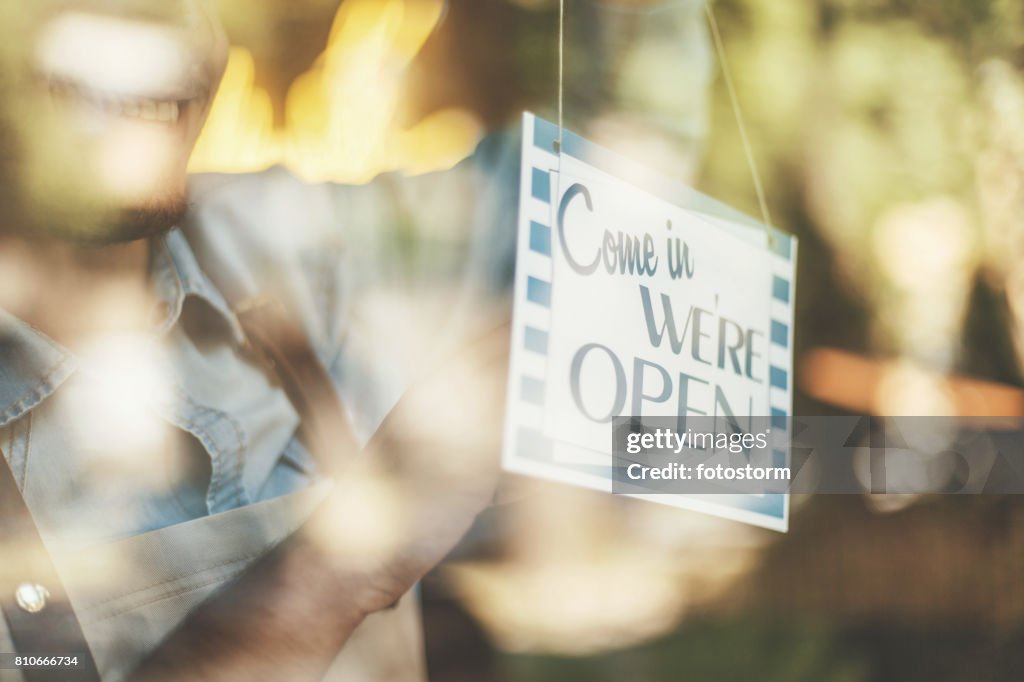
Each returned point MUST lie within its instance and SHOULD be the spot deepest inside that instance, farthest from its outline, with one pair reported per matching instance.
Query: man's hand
(424, 476)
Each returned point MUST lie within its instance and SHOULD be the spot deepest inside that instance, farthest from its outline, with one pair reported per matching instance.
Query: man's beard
(142, 223)
(93, 226)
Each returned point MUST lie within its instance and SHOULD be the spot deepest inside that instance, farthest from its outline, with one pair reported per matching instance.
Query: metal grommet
(31, 597)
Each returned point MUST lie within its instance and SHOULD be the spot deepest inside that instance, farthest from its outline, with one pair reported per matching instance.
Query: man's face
(102, 103)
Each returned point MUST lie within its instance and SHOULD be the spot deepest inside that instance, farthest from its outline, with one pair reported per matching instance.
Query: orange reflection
(340, 116)
(858, 384)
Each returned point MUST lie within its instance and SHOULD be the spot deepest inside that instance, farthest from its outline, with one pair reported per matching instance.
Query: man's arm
(429, 470)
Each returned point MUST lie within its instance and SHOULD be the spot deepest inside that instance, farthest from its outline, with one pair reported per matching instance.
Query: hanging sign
(636, 296)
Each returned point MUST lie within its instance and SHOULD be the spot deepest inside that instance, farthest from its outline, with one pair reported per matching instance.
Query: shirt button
(31, 597)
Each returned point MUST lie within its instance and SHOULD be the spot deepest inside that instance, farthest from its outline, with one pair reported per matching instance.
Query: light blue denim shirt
(240, 446)
(382, 277)
(344, 259)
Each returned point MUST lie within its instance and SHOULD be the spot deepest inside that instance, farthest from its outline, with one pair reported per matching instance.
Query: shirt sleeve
(426, 264)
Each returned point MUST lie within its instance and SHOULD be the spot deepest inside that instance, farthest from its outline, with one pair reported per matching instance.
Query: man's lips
(151, 109)
(119, 67)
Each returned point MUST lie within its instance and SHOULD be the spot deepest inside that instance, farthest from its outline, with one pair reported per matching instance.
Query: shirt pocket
(131, 593)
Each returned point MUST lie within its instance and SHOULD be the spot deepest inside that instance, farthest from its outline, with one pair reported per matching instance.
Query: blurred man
(137, 416)
(164, 347)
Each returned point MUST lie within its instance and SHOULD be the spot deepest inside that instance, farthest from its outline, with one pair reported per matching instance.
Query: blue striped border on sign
(780, 334)
(541, 185)
(778, 378)
(778, 418)
(540, 238)
(538, 291)
(782, 244)
(536, 340)
(780, 289)
(532, 390)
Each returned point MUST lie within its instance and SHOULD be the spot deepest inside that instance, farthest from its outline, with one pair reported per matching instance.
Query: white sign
(643, 302)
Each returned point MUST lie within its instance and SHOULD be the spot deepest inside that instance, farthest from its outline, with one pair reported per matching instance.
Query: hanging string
(561, 69)
(734, 100)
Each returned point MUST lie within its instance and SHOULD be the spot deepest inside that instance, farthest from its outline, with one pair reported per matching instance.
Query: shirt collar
(177, 277)
(32, 365)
